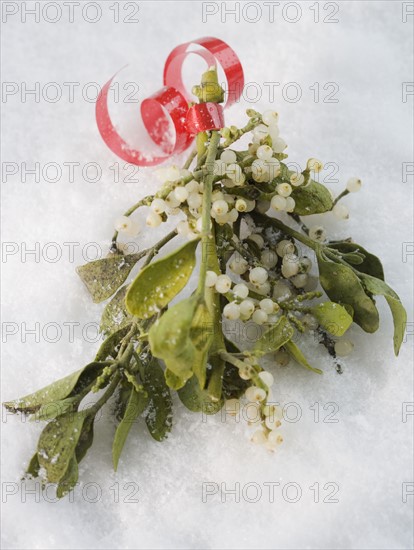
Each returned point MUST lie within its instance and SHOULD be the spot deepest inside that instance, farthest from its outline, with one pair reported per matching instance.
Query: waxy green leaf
(371, 265)
(343, 286)
(274, 338)
(57, 444)
(86, 437)
(314, 198)
(135, 407)
(33, 467)
(103, 277)
(297, 354)
(115, 314)
(57, 408)
(332, 317)
(58, 391)
(197, 399)
(69, 480)
(159, 282)
(158, 415)
(182, 338)
(399, 315)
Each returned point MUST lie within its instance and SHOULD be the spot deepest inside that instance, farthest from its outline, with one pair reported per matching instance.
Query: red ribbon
(171, 104)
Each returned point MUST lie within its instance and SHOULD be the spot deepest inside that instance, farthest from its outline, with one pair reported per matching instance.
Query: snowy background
(156, 498)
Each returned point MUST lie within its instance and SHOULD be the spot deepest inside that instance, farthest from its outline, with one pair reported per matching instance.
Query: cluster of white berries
(259, 408)
(243, 307)
(269, 128)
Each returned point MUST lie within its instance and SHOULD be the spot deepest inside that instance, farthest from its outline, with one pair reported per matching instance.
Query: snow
(156, 498)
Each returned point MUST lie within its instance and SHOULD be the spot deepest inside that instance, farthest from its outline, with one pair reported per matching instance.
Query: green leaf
(169, 338)
(34, 466)
(312, 199)
(332, 317)
(158, 416)
(115, 314)
(69, 480)
(86, 438)
(201, 335)
(399, 315)
(274, 338)
(197, 399)
(103, 277)
(159, 282)
(343, 286)
(176, 382)
(136, 406)
(57, 408)
(57, 444)
(297, 354)
(371, 265)
(69, 386)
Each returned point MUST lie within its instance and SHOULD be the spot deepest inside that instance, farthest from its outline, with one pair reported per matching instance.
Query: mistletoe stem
(157, 247)
(207, 237)
(274, 222)
(340, 196)
(190, 159)
(108, 393)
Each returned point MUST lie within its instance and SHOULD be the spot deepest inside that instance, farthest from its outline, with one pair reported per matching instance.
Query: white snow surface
(155, 500)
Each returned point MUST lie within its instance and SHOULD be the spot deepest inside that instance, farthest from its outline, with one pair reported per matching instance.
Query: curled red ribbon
(171, 104)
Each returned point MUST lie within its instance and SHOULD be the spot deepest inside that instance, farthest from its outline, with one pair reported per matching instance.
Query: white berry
(353, 185)
(314, 165)
(269, 258)
(278, 203)
(124, 224)
(223, 284)
(241, 205)
(340, 211)
(343, 347)
(264, 152)
(241, 291)
(181, 193)
(238, 265)
(273, 167)
(246, 308)
(260, 132)
(270, 117)
(153, 219)
(284, 189)
(297, 179)
(267, 378)
(290, 204)
(158, 206)
(300, 280)
(258, 239)
(258, 275)
(259, 437)
(267, 305)
(285, 247)
(231, 311)
(259, 317)
(220, 207)
(228, 156)
(255, 394)
(211, 278)
(279, 145)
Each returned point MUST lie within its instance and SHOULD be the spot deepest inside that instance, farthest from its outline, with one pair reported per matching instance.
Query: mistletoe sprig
(229, 204)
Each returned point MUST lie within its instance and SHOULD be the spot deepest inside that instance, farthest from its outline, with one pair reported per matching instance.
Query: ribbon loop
(168, 109)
